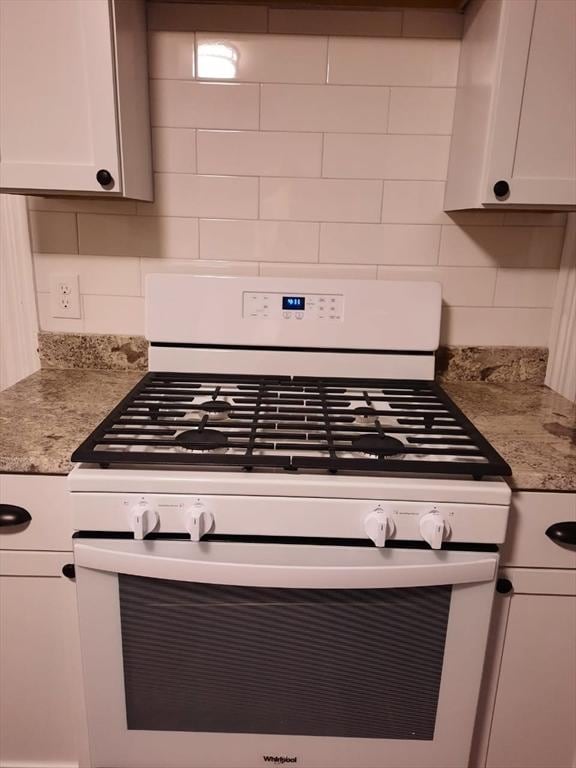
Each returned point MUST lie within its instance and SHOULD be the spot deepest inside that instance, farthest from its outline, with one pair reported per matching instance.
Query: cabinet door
(41, 707)
(533, 146)
(57, 96)
(535, 709)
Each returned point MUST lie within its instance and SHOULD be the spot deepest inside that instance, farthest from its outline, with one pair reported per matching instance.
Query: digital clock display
(293, 302)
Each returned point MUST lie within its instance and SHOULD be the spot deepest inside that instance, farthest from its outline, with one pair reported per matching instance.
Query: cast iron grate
(292, 423)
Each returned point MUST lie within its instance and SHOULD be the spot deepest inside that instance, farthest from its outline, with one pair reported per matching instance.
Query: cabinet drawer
(47, 501)
(527, 544)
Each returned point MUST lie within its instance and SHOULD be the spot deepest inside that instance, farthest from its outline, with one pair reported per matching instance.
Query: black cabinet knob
(504, 586)
(562, 533)
(11, 515)
(69, 571)
(501, 189)
(105, 178)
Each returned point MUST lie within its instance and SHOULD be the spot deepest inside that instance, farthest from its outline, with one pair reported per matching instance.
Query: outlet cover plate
(65, 295)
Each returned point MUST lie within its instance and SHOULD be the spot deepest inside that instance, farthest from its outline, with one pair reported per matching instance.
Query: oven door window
(357, 663)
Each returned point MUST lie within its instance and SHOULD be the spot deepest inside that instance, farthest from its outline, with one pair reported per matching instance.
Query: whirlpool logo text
(279, 760)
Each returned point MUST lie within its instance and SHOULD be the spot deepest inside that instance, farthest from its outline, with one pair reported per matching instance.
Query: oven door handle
(161, 562)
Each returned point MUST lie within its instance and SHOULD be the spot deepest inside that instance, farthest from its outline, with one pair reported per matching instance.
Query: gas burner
(365, 415)
(215, 406)
(217, 410)
(378, 445)
(202, 440)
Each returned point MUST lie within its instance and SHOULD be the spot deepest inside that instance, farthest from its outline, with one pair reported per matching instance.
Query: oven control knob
(199, 521)
(143, 519)
(378, 526)
(434, 529)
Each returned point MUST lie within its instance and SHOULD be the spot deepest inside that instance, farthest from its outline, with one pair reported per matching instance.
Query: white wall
(314, 155)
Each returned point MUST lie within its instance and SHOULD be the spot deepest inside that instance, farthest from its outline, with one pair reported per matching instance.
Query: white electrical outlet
(64, 295)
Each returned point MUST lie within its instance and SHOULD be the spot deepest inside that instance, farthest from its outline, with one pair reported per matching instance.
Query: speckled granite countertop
(533, 429)
(46, 416)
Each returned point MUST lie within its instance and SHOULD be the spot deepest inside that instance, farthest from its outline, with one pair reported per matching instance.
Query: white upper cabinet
(74, 98)
(514, 135)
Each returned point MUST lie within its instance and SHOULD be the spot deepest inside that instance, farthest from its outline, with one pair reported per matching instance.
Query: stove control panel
(198, 515)
(293, 307)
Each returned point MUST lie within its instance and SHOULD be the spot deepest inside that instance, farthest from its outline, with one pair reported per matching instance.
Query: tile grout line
(495, 287)
(314, 84)
(260, 106)
(77, 226)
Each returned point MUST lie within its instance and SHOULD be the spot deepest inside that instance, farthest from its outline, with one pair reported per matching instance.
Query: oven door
(225, 654)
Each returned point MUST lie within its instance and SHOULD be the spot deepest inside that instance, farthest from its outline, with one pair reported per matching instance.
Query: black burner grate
(359, 425)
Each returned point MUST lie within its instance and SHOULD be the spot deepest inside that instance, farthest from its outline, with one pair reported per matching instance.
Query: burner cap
(215, 406)
(205, 440)
(378, 445)
(365, 410)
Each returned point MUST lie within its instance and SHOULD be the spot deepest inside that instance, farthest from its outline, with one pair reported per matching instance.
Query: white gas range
(287, 535)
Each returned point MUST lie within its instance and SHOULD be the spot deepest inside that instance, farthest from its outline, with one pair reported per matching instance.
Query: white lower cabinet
(42, 721)
(527, 716)
(40, 695)
(534, 718)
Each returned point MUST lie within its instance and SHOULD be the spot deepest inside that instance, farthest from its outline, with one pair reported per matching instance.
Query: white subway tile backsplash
(393, 61)
(461, 286)
(171, 55)
(419, 22)
(379, 243)
(421, 110)
(113, 314)
(294, 154)
(185, 194)
(413, 202)
(324, 108)
(207, 17)
(181, 104)
(260, 153)
(337, 21)
(320, 199)
(101, 275)
(258, 240)
(158, 236)
(522, 247)
(175, 266)
(174, 150)
(495, 326)
(525, 287)
(261, 58)
(329, 271)
(349, 155)
(53, 232)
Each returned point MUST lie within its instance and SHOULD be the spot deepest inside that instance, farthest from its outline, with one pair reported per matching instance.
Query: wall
(315, 155)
